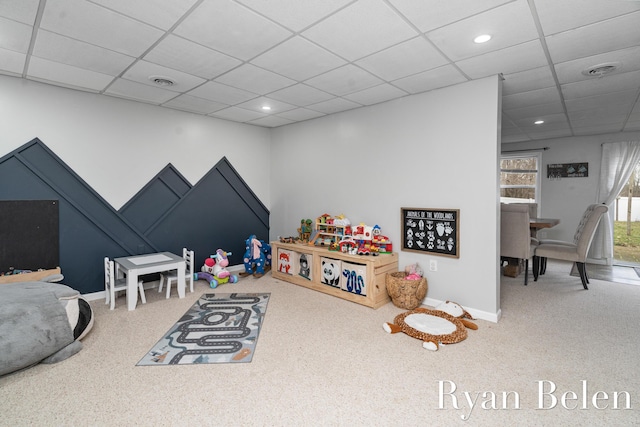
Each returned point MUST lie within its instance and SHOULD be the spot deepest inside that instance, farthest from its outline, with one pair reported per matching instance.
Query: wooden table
(133, 266)
(536, 224)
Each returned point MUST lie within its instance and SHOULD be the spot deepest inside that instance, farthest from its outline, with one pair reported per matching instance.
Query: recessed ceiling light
(266, 108)
(538, 122)
(161, 80)
(482, 38)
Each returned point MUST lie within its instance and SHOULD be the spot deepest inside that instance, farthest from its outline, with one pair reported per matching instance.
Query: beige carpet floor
(323, 361)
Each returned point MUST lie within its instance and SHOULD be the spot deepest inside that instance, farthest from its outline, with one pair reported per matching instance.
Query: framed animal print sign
(432, 231)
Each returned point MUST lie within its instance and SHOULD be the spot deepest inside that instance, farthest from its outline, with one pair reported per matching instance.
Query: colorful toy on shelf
(329, 230)
(382, 243)
(304, 231)
(253, 257)
(214, 270)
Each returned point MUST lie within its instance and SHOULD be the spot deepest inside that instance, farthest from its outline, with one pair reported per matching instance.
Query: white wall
(117, 145)
(567, 198)
(432, 150)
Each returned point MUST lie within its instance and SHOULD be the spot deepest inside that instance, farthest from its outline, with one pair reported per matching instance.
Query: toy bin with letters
(365, 285)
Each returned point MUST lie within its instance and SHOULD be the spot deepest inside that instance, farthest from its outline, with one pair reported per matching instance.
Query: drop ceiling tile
(159, 13)
(429, 80)
(625, 99)
(20, 10)
(506, 61)
(189, 57)
(69, 51)
(551, 121)
(558, 133)
(378, 27)
(524, 81)
(237, 114)
(96, 25)
(335, 105)
(599, 115)
(520, 137)
(598, 86)
(67, 75)
(194, 104)
(376, 94)
(298, 59)
(626, 59)
(548, 95)
(300, 95)
(596, 130)
(508, 25)
(123, 88)
(255, 79)
(222, 93)
(407, 58)
(632, 125)
(344, 80)
(11, 62)
(614, 34)
(421, 13)
(534, 111)
(276, 106)
(557, 16)
(142, 71)
(14, 35)
(232, 29)
(296, 15)
(271, 121)
(300, 114)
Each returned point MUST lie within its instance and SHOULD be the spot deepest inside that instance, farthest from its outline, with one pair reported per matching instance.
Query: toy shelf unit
(356, 278)
(329, 230)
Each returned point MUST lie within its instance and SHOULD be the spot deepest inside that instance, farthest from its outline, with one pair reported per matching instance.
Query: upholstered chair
(515, 235)
(575, 251)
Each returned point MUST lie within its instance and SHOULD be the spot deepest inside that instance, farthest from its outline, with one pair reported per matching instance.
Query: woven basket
(407, 294)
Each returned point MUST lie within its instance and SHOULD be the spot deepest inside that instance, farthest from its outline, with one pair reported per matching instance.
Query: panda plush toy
(330, 273)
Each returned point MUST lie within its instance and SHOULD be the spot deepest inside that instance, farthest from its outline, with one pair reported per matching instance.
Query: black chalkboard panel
(434, 231)
(29, 234)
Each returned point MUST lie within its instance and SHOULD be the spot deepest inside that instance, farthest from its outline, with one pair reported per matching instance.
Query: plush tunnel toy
(40, 322)
(446, 324)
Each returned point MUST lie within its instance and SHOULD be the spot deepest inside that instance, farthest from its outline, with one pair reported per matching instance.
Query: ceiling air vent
(601, 69)
(161, 81)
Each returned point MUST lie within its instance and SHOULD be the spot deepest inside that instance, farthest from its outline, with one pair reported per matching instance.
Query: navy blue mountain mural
(219, 211)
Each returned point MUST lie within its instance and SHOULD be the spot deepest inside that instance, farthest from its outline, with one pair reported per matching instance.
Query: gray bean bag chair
(40, 322)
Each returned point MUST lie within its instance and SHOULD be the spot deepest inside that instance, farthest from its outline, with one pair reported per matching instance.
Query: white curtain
(618, 161)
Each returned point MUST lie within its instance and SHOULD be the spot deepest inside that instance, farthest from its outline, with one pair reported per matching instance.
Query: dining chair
(515, 236)
(112, 284)
(575, 251)
(172, 276)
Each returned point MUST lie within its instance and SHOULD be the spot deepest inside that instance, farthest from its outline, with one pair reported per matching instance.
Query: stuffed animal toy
(253, 256)
(447, 324)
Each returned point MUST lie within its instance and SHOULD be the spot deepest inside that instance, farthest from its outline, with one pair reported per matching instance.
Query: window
(520, 178)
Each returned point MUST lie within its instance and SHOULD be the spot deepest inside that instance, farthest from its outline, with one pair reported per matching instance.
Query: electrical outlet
(433, 265)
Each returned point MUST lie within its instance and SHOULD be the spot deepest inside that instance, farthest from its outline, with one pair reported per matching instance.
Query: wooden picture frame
(431, 231)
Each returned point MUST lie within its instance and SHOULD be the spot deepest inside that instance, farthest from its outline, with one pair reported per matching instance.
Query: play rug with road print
(219, 328)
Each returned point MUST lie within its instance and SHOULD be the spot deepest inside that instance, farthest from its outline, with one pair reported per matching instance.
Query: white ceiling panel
(378, 28)
(194, 104)
(73, 52)
(99, 26)
(160, 13)
(139, 92)
(428, 15)
(508, 25)
(298, 59)
(275, 106)
(562, 15)
(300, 94)
(344, 80)
(506, 61)
(524, 81)
(255, 79)
(376, 94)
(324, 57)
(404, 59)
(446, 75)
(295, 14)
(144, 72)
(604, 36)
(67, 75)
(189, 57)
(230, 28)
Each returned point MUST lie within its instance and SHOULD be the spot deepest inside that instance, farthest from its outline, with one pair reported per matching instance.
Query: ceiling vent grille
(162, 81)
(601, 69)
